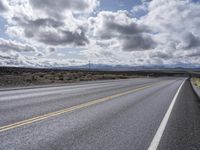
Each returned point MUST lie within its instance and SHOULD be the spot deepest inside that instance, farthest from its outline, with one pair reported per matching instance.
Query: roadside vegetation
(26, 77)
(15, 76)
(196, 81)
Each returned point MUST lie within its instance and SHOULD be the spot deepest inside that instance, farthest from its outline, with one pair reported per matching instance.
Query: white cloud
(8, 45)
(175, 28)
(75, 6)
(129, 34)
(167, 34)
(41, 24)
(3, 6)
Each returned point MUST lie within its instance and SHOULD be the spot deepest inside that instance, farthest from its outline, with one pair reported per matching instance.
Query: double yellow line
(70, 109)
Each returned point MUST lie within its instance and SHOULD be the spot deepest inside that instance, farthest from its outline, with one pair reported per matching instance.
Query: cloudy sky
(44, 33)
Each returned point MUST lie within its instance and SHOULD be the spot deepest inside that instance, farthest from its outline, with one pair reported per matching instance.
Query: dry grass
(196, 81)
(25, 78)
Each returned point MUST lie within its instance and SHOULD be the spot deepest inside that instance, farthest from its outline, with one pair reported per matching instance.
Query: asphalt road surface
(132, 114)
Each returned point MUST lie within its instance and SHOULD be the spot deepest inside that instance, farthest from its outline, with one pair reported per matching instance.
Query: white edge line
(156, 140)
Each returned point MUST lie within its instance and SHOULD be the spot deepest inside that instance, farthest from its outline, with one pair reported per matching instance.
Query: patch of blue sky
(114, 5)
(196, 1)
(3, 28)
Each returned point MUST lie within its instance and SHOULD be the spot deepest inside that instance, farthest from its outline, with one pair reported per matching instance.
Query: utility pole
(89, 65)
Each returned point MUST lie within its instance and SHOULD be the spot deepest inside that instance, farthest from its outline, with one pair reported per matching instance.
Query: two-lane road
(118, 114)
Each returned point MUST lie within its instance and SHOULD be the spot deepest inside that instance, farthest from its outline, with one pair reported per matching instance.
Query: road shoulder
(182, 130)
(195, 89)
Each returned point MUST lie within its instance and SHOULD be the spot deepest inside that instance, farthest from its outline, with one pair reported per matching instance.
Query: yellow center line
(70, 109)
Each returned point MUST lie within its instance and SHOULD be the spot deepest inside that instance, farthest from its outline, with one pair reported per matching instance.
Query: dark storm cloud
(138, 42)
(131, 35)
(125, 29)
(114, 29)
(63, 38)
(42, 22)
(191, 41)
(31, 27)
(55, 36)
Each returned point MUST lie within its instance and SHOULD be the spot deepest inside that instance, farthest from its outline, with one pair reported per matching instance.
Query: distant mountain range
(104, 67)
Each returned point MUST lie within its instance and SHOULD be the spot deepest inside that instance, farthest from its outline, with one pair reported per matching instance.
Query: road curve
(117, 115)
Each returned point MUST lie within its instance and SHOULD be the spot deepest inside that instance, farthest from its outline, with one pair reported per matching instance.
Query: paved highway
(132, 114)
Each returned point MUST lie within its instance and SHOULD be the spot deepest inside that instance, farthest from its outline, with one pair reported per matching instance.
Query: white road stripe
(156, 140)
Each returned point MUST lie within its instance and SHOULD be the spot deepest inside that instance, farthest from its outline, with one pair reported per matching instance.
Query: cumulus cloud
(138, 42)
(130, 34)
(8, 45)
(51, 50)
(166, 32)
(3, 6)
(177, 20)
(189, 41)
(161, 55)
(76, 6)
(63, 38)
(13, 58)
(175, 30)
(51, 32)
(30, 22)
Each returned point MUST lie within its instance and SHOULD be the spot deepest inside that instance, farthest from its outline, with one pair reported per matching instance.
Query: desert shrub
(60, 77)
(41, 75)
(28, 80)
(33, 78)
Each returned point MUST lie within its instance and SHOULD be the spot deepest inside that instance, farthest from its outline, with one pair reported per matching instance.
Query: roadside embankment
(195, 82)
